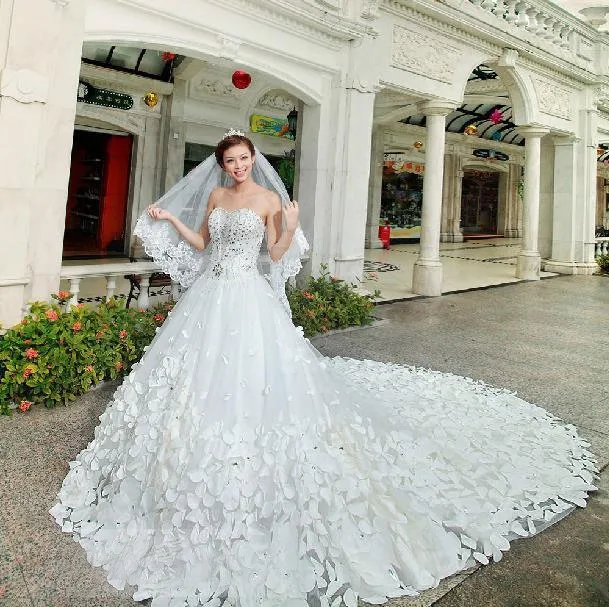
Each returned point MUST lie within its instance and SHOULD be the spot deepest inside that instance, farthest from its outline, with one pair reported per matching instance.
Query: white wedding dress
(237, 466)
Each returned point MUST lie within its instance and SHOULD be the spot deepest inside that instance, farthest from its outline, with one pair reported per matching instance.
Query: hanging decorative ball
(497, 136)
(151, 99)
(471, 129)
(417, 145)
(496, 116)
(167, 56)
(241, 79)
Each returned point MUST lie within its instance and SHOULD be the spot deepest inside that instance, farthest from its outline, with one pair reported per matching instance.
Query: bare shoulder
(273, 201)
(216, 195)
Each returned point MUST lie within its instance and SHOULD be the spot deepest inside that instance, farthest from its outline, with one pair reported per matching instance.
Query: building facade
(444, 119)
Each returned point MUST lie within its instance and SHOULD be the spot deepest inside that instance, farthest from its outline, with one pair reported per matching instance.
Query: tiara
(232, 132)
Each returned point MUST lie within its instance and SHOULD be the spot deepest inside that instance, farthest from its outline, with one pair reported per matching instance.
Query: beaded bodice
(236, 236)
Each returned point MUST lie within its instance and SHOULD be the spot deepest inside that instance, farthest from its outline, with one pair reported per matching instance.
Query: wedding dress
(237, 466)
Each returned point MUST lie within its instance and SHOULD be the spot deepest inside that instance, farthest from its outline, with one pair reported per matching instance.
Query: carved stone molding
(24, 86)
(229, 47)
(363, 86)
(370, 9)
(553, 99)
(277, 101)
(424, 54)
(61, 2)
(215, 90)
(494, 86)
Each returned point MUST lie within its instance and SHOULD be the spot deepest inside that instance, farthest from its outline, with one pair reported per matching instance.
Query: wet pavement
(546, 340)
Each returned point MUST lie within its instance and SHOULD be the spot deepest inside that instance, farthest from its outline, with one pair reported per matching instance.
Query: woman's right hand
(158, 213)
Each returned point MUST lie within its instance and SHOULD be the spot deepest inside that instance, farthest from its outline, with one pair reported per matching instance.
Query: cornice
(306, 20)
(490, 38)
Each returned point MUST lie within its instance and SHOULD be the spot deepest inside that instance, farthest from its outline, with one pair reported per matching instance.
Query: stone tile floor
(466, 265)
(547, 340)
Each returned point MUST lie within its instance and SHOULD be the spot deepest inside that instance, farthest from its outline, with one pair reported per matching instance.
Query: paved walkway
(547, 340)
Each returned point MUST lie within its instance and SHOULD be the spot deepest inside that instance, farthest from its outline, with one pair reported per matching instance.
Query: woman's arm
(199, 240)
(278, 242)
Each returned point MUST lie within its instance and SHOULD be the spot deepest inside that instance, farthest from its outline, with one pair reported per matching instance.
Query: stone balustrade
(601, 246)
(547, 22)
(77, 273)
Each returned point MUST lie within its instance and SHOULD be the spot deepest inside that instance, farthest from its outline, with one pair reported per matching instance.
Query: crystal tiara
(232, 132)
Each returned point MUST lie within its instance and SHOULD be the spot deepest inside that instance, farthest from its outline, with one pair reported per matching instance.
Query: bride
(237, 466)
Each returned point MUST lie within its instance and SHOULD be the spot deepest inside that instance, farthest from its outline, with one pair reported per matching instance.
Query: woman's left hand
(290, 212)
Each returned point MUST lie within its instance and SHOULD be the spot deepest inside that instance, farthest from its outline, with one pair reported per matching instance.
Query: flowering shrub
(329, 303)
(603, 263)
(53, 356)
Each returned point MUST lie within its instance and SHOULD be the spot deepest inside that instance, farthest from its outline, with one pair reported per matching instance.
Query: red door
(116, 191)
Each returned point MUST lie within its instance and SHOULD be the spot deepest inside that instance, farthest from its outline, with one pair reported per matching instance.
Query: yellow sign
(267, 125)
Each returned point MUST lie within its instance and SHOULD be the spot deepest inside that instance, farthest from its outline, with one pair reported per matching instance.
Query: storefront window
(402, 196)
(194, 154)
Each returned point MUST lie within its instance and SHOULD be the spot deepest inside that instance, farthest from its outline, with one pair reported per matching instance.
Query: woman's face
(238, 162)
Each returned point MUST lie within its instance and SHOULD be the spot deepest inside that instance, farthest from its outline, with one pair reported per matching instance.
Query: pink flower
(24, 405)
(159, 317)
(63, 294)
(51, 315)
(31, 353)
(123, 334)
(89, 368)
(27, 371)
(118, 365)
(76, 326)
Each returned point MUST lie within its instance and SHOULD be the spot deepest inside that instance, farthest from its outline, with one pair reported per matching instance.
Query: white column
(315, 153)
(529, 259)
(40, 49)
(350, 229)
(375, 189)
(427, 274)
(451, 199)
(172, 140)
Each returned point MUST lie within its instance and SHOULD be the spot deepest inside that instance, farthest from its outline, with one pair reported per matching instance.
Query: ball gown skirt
(237, 466)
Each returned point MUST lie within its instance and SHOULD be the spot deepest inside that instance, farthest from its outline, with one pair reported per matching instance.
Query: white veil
(187, 201)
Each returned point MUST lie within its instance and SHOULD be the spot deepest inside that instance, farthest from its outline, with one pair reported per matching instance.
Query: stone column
(451, 200)
(513, 203)
(315, 153)
(375, 189)
(350, 228)
(427, 274)
(172, 142)
(574, 202)
(40, 50)
(529, 259)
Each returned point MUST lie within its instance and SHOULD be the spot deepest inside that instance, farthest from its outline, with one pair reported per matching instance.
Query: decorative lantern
(151, 99)
(496, 116)
(417, 145)
(471, 129)
(241, 79)
(292, 122)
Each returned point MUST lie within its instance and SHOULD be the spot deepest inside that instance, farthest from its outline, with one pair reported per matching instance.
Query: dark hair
(229, 142)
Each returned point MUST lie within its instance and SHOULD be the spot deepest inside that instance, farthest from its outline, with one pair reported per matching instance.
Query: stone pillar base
(529, 263)
(448, 237)
(427, 278)
(570, 267)
(373, 243)
(512, 233)
(351, 270)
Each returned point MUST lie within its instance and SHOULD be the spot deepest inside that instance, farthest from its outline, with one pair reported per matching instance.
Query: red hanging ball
(241, 79)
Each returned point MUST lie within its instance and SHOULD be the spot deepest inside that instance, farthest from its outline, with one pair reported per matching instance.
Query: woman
(237, 466)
